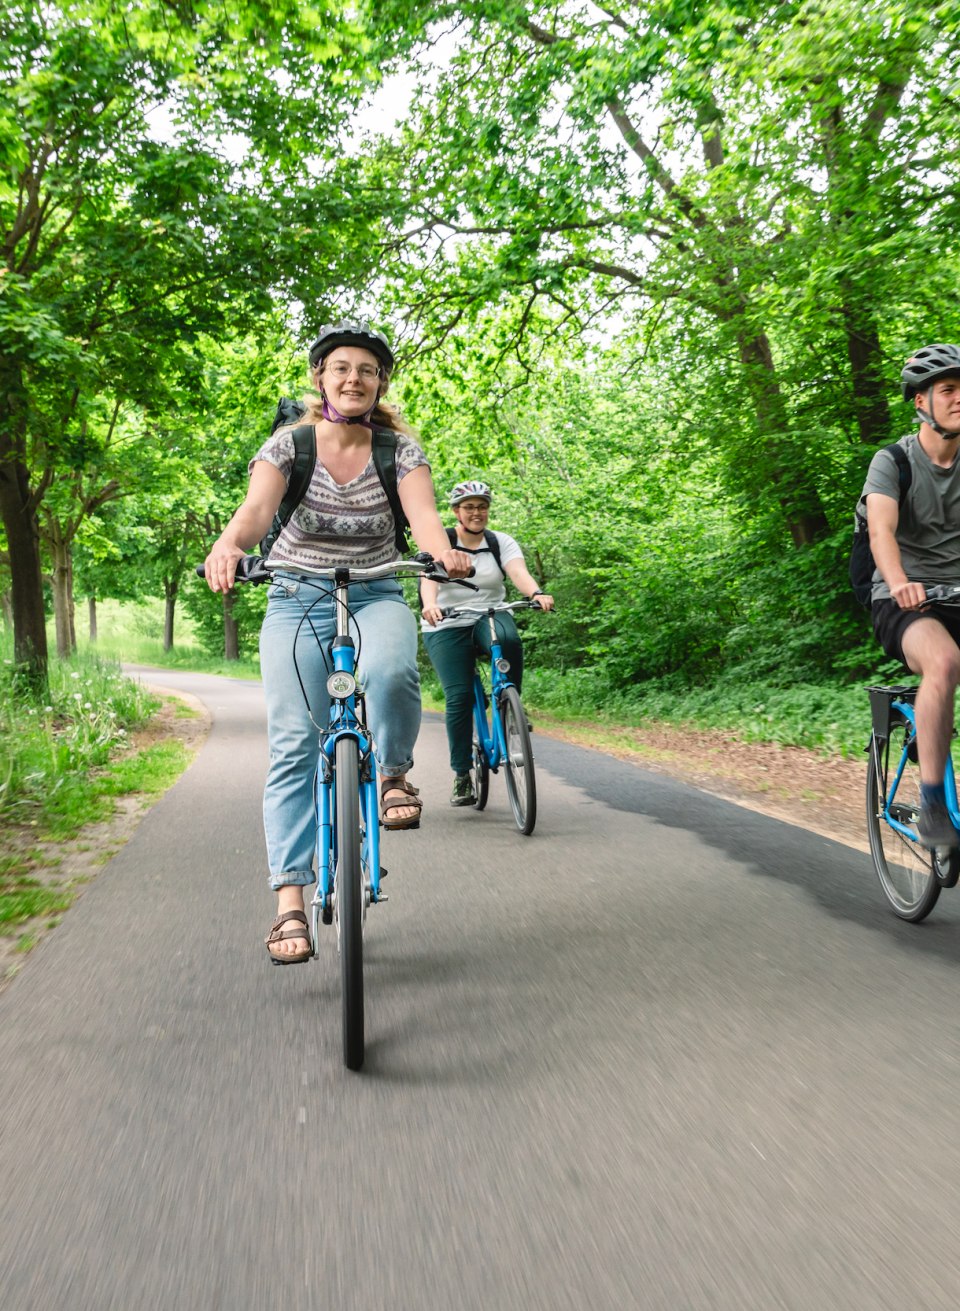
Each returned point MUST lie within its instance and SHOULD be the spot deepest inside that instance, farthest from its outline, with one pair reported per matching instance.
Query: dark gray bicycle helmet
(345, 333)
(927, 366)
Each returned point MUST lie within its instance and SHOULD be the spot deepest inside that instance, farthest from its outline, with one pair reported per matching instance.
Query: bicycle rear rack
(881, 699)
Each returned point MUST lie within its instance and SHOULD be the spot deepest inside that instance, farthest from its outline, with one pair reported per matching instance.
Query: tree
(128, 232)
(747, 188)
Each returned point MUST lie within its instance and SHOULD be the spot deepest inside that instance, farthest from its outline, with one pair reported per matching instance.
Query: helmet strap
(333, 415)
(924, 416)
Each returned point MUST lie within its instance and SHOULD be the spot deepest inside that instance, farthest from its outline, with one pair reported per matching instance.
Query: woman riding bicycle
(452, 649)
(344, 518)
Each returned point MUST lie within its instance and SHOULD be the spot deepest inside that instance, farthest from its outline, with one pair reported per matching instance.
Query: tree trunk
(23, 536)
(796, 494)
(171, 588)
(231, 634)
(6, 608)
(92, 617)
(866, 371)
(62, 579)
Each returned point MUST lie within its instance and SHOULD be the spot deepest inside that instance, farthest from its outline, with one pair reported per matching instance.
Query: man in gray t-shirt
(914, 545)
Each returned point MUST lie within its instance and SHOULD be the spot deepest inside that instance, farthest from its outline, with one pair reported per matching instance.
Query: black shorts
(890, 623)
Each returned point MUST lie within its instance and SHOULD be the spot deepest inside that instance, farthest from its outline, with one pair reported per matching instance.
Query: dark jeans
(452, 653)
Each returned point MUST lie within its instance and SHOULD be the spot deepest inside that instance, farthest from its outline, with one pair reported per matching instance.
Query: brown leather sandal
(276, 935)
(411, 798)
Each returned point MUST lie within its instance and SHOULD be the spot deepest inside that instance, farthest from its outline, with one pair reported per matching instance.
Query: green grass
(64, 759)
(132, 633)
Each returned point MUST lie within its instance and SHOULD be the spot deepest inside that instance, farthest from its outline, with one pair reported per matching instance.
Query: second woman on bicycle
(452, 643)
(344, 518)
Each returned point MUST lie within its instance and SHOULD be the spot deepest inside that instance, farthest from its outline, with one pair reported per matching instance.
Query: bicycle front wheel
(349, 898)
(518, 767)
(907, 871)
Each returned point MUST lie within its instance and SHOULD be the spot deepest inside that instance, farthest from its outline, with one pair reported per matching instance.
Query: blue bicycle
(910, 874)
(349, 872)
(501, 732)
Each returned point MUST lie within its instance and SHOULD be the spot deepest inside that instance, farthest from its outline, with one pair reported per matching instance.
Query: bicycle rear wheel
(909, 874)
(349, 898)
(481, 775)
(518, 768)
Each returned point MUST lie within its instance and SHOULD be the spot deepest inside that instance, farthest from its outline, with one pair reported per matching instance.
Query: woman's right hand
(220, 566)
(432, 615)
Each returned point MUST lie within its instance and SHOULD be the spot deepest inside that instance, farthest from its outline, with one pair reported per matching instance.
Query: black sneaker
(464, 795)
(936, 828)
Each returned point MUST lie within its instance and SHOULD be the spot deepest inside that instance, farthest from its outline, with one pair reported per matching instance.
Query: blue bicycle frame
(346, 720)
(906, 709)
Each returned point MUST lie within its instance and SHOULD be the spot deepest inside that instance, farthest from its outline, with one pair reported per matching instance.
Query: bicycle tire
(481, 775)
(518, 766)
(909, 874)
(350, 893)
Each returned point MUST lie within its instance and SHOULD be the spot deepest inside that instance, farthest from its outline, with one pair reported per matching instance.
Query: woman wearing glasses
(343, 518)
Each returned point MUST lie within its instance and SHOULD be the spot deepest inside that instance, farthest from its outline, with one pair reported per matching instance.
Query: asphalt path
(665, 1053)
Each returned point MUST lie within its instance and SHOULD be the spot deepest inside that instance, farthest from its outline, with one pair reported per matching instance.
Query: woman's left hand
(544, 600)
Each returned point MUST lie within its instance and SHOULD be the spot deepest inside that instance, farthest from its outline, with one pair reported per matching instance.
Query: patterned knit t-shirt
(337, 523)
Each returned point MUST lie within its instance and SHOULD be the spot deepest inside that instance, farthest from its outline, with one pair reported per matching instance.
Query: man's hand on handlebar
(909, 596)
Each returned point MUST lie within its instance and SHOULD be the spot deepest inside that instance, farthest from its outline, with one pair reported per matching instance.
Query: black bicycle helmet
(363, 334)
(929, 365)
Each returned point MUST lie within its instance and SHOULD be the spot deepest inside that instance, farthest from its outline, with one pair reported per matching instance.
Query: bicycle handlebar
(451, 611)
(943, 594)
(254, 569)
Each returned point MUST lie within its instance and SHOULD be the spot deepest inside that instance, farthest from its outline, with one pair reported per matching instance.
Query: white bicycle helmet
(363, 334)
(463, 492)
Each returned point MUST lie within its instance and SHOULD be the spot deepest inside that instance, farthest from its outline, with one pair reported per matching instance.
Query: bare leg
(932, 653)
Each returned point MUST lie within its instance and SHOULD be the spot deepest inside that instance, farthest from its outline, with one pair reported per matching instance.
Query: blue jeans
(385, 632)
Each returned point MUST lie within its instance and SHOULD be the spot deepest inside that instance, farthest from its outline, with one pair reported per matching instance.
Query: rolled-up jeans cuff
(296, 878)
(394, 771)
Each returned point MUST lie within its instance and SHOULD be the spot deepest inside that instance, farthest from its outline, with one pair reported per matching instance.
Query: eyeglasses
(367, 372)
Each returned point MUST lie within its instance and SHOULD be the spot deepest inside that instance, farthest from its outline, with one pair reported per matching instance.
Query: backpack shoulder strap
(903, 468)
(493, 546)
(304, 459)
(384, 449)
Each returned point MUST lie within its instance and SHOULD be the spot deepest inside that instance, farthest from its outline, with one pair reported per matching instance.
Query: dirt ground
(787, 783)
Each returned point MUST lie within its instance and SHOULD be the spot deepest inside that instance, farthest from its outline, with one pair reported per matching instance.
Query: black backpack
(861, 557)
(384, 448)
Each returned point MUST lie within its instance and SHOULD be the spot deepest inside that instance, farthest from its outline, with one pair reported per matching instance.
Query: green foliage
(205, 608)
(50, 749)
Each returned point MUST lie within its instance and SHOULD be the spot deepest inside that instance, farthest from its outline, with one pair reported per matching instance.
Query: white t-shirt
(488, 578)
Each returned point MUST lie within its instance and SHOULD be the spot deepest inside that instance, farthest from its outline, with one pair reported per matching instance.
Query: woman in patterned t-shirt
(343, 518)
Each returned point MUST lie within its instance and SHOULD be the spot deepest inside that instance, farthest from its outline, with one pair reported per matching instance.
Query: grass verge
(66, 761)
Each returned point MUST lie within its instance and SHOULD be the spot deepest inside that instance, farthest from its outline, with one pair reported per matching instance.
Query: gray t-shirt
(928, 531)
(338, 523)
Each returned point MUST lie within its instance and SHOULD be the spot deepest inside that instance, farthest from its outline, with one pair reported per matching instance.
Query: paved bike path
(666, 1053)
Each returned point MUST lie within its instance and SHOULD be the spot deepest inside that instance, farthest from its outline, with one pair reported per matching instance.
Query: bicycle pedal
(383, 871)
